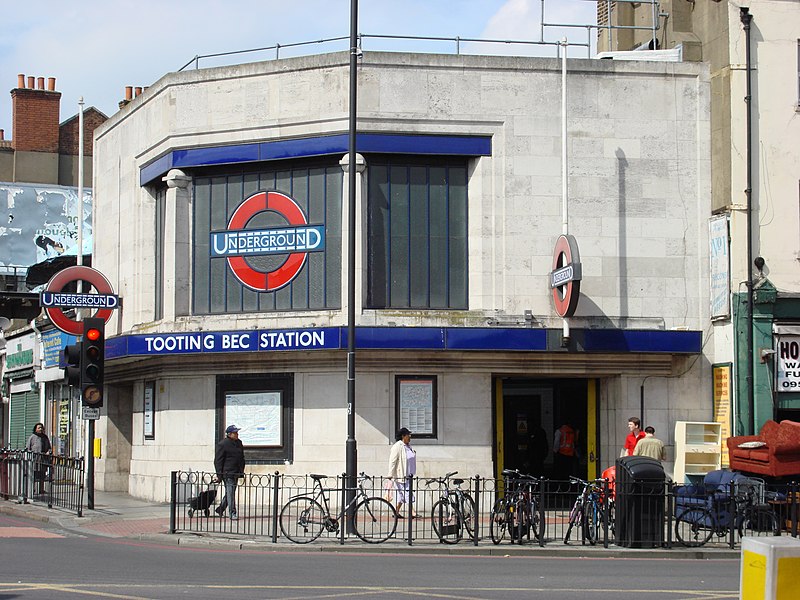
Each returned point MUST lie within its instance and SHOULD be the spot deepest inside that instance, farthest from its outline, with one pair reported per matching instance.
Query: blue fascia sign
(325, 338)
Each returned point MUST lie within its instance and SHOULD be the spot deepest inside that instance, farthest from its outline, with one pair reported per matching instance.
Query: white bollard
(770, 568)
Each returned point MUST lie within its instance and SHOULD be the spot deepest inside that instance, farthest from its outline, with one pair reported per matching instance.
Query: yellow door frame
(591, 426)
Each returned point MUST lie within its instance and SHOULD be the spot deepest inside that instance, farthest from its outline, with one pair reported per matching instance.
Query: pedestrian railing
(634, 514)
(56, 481)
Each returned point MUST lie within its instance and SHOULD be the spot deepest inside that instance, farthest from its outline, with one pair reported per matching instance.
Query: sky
(94, 48)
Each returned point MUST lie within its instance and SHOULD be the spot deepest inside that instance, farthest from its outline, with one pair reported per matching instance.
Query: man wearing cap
(229, 464)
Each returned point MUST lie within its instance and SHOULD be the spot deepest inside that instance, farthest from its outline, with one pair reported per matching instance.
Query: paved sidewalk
(119, 515)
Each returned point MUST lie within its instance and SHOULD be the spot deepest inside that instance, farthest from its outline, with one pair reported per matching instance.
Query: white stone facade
(639, 199)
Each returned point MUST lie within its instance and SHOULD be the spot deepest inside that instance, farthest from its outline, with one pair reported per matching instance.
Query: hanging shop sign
(53, 300)
(565, 278)
(787, 364)
(237, 243)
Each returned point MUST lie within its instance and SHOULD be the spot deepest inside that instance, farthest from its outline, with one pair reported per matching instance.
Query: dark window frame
(160, 195)
(396, 214)
(265, 382)
(215, 290)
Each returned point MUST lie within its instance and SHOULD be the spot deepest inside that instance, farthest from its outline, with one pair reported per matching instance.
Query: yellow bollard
(770, 568)
(97, 452)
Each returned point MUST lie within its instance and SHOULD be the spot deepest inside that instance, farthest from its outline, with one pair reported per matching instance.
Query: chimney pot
(40, 83)
(2, 134)
(128, 92)
(138, 91)
(21, 80)
(31, 80)
(51, 84)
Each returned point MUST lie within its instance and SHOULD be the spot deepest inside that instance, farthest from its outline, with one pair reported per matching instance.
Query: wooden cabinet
(698, 449)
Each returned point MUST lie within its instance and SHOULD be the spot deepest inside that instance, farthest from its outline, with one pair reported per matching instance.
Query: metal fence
(636, 515)
(56, 481)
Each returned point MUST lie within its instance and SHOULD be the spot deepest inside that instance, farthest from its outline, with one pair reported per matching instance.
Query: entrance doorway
(528, 413)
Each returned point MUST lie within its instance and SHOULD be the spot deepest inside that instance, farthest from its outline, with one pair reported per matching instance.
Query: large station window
(317, 189)
(417, 234)
(262, 406)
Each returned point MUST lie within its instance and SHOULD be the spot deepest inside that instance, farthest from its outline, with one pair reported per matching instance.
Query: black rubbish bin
(640, 501)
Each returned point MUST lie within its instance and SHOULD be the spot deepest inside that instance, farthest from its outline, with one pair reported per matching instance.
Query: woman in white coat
(402, 467)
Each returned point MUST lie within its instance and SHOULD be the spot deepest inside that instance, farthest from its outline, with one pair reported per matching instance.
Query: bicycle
(303, 518)
(722, 512)
(454, 512)
(517, 512)
(588, 512)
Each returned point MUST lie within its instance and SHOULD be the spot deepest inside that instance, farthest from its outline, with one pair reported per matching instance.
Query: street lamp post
(351, 449)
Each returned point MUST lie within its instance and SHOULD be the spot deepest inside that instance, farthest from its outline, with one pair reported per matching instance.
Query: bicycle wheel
(447, 522)
(575, 517)
(520, 525)
(302, 520)
(498, 524)
(592, 523)
(758, 520)
(468, 513)
(694, 527)
(375, 520)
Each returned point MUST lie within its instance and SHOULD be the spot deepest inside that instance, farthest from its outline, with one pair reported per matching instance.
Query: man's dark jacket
(229, 457)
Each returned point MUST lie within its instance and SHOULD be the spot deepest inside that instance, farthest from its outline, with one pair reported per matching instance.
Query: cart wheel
(206, 512)
(190, 513)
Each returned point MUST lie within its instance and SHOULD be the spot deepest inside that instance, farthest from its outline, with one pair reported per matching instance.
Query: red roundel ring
(283, 275)
(68, 275)
(565, 297)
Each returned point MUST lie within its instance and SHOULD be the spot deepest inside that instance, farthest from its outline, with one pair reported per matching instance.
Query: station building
(221, 220)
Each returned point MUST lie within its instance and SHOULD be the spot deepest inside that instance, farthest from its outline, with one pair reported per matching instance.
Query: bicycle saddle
(318, 477)
(458, 481)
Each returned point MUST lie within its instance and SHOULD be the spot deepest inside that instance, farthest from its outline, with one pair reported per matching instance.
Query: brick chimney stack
(35, 119)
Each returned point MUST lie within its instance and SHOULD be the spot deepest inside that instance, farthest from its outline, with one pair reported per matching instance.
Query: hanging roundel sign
(53, 300)
(565, 278)
(296, 239)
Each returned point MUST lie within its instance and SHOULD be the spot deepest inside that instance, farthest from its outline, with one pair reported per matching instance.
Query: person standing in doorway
(40, 445)
(650, 445)
(402, 467)
(229, 464)
(634, 435)
(565, 455)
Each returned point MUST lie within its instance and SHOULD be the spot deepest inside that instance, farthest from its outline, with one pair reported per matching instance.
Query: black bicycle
(454, 512)
(588, 511)
(303, 518)
(517, 513)
(718, 511)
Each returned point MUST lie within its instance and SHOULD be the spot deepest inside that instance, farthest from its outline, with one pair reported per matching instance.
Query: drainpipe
(746, 18)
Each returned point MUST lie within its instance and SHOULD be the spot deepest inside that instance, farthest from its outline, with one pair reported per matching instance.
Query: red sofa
(779, 455)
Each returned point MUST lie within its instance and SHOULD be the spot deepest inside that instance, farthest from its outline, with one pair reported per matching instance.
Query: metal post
(746, 18)
(351, 450)
(173, 486)
(90, 468)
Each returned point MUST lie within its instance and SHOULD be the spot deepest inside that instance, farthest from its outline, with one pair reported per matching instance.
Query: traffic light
(92, 359)
(72, 370)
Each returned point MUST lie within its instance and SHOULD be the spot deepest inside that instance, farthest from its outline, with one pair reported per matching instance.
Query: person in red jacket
(565, 452)
(635, 433)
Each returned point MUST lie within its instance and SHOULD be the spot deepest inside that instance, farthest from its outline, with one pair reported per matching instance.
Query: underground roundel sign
(565, 278)
(54, 300)
(295, 240)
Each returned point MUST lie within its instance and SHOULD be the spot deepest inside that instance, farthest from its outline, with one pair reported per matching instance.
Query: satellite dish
(5, 323)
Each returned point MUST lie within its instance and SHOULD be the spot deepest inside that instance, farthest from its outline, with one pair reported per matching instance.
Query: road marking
(451, 593)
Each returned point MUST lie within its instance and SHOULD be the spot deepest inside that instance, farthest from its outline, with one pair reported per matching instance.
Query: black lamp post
(351, 450)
